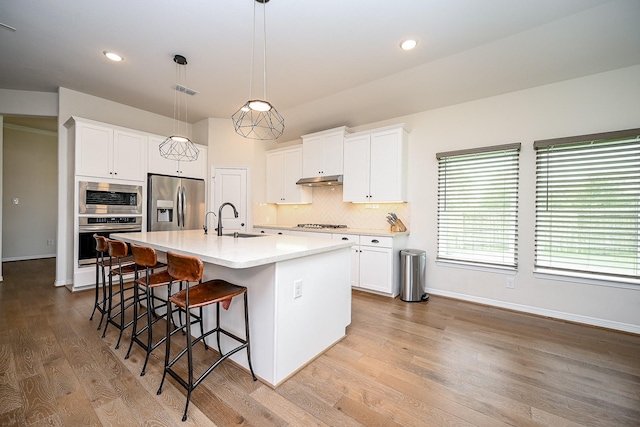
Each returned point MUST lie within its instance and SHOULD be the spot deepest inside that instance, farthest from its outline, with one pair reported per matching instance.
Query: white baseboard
(59, 283)
(576, 318)
(28, 257)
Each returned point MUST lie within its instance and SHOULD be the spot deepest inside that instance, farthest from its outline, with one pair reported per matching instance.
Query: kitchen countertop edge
(359, 231)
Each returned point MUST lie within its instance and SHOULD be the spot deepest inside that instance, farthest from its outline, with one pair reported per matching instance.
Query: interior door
(229, 185)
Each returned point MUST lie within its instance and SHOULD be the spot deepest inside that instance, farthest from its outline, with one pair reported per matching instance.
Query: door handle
(179, 205)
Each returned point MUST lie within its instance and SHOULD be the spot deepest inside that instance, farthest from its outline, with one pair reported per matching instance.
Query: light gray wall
(17, 102)
(29, 175)
(598, 103)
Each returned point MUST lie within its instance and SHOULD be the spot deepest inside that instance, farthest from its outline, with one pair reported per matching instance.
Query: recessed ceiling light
(408, 44)
(112, 56)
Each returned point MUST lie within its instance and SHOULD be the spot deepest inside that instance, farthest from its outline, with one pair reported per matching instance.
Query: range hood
(321, 181)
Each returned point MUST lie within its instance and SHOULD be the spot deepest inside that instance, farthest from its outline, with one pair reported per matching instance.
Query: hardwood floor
(445, 362)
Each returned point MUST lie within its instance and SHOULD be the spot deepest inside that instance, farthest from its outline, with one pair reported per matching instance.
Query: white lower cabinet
(374, 262)
(269, 231)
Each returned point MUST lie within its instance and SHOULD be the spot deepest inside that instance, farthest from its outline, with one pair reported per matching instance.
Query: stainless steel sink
(242, 235)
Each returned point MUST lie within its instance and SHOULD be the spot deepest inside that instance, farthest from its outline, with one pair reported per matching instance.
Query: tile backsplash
(328, 208)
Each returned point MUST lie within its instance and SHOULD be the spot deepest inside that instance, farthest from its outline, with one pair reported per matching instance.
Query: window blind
(478, 206)
(588, 204)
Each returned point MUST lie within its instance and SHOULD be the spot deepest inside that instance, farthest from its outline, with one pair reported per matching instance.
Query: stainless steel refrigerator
(175, 203)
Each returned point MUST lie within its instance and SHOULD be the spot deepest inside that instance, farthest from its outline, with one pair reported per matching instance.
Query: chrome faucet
(204, 227)
(235, 213)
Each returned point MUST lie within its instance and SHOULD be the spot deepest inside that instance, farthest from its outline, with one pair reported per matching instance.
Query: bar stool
(146, 258)
(118, 250)
(189, 269)
(102, 247)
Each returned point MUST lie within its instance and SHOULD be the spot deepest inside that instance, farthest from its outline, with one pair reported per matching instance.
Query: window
(588, 205)
(478, 206)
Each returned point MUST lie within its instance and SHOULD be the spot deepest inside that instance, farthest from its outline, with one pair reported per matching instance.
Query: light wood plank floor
(445, 362)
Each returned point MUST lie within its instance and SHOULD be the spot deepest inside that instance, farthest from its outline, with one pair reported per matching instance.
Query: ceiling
(329, 62)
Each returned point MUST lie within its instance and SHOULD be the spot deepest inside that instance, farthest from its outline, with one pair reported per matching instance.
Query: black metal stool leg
(134, 332)
(189, 361)
(167, 352)
(149, 330)
(103, 311)
(246, 326)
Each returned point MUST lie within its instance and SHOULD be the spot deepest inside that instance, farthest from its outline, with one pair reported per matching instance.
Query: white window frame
(478, 207)
(588, 207)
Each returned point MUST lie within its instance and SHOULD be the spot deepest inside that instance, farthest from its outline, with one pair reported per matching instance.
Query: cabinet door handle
(375, 241)
(262, 231)
(280, 233)
(345, 238)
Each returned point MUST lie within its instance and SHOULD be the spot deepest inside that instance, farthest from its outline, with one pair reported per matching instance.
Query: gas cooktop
(321, 226)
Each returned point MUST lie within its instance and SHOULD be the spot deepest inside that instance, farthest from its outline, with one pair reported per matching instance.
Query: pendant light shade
(178, 146)
(258, 118)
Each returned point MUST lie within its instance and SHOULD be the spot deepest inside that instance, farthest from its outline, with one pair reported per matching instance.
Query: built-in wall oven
(109, 199)
(105, 209)
(103, 226)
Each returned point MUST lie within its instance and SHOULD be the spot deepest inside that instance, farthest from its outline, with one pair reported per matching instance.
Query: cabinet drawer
(347, 237)
(385, 242)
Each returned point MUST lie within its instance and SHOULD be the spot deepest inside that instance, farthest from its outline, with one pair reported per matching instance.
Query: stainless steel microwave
(112, 199)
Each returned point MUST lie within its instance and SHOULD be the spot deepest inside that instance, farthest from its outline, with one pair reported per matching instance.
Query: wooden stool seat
(154, 280)
(189, 269)
(206, 293)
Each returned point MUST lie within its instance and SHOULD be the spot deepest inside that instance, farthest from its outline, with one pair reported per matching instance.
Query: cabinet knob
(242, 224)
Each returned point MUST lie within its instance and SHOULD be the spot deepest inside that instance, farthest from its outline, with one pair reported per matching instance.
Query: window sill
(587, 279)
(478, 267)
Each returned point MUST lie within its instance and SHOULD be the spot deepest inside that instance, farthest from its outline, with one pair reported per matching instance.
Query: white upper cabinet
(108, 152)
(284, 168)
(322, 153)
(160, 165)
(375, 166)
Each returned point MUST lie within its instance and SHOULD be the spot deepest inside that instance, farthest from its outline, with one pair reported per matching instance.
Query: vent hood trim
(321, 181)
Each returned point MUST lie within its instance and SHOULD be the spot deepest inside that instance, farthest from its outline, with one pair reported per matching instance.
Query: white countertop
(360, 231)
(231, 252)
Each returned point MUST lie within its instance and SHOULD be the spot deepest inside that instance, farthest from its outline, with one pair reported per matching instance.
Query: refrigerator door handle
(179, 205)
(184, 205)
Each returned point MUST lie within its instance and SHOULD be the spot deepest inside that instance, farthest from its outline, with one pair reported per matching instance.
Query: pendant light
(178, 146)
(257, 118)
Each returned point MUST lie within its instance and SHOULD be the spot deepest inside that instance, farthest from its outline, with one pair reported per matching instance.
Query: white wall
(228, 149)
(598, 103)
(29, 175)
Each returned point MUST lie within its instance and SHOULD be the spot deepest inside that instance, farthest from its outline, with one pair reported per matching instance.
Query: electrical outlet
(375, 207)
(511, 282)
(297, 289)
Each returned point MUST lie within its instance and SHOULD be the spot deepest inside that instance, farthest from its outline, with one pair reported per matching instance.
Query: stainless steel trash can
(412, 275)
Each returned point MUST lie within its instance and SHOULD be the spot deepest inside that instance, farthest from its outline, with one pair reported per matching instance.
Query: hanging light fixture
(178, 146)
(257, 118)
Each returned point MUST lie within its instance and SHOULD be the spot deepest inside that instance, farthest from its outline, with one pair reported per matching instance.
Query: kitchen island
(298, 289)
